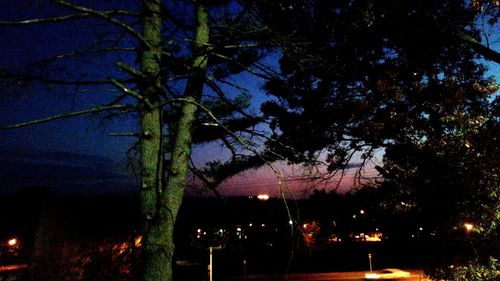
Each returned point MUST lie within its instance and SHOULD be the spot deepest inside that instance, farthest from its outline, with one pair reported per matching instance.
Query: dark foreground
(353, 275)
(18, 273)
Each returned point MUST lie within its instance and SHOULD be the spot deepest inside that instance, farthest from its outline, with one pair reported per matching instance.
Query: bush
(471, 271)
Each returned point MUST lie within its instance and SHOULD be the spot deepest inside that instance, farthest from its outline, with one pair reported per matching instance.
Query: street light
(263, 197)
(12, 242)
(468, 227)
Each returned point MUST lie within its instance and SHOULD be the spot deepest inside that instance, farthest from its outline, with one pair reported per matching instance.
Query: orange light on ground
(12, 242)
(263, 197)
(137, 241)
(372, 239)
(468, 226)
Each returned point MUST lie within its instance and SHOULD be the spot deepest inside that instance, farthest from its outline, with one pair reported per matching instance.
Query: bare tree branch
(130, 69)
(248, 69)
(55, 19)
(28, 77)
(63, 116)
(44, 20)
(105, 16)
(482, 50)
(82, 53)
(124, 134)
(130, 92)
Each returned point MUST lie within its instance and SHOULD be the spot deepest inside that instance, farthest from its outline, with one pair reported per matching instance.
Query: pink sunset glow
(291, 182)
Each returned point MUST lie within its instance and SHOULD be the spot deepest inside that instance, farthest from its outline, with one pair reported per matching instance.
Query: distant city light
(263, 197)
(290, 222)
(138, 240)
(12, 242)
(362, 211)
(468, 226)
(304, 225)
(238, 229)
(372, 239)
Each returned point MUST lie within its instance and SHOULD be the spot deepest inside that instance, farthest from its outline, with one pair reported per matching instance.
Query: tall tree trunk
(161, 202)
(156, 260)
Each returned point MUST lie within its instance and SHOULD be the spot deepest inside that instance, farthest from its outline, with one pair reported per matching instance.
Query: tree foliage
(368, 74)
(403, 77)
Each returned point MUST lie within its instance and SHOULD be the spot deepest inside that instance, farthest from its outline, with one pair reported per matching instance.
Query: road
(12, 267)
(416, 275)
(12, 272)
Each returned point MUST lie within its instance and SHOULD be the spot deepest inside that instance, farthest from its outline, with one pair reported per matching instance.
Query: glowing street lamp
(12, 242)
(263, 197)
(468, 227)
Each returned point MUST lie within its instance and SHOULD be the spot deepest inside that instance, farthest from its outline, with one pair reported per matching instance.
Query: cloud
(66, 173)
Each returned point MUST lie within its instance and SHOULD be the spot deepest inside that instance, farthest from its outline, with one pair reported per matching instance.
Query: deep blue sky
(27, 154)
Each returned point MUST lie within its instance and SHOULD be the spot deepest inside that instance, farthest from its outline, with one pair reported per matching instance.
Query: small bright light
(263, 225)
(12, 242)
(468, 226)
(263, 197)
(372, 276)
(199, 230)
(304, 225)
(362, 212)
(238, 229)
(138, 240)
(420, 229)
(290, 222)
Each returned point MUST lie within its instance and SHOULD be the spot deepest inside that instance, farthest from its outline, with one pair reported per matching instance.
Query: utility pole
(210, 266)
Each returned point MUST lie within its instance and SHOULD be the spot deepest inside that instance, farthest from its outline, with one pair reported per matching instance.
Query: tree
(449, 181)
(402, 77)
(376, 69)
(171, 63)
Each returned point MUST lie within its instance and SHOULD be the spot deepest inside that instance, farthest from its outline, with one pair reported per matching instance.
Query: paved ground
(416, 275)
(12, 272)
(12, 267)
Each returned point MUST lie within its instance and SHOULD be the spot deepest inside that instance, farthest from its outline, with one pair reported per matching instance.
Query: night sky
(76, 156)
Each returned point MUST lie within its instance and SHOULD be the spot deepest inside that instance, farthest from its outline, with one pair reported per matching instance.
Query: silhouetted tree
(169, 65)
